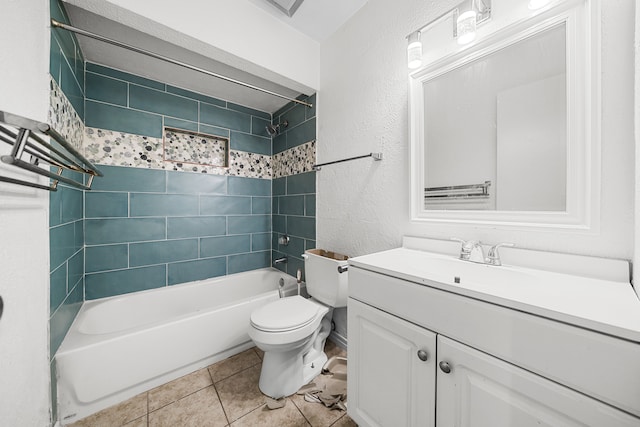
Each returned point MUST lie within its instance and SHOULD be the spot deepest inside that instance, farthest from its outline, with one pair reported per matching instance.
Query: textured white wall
(363, 206)
(24, 227)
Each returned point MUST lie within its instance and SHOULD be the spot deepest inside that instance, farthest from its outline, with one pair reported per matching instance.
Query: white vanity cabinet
(486, 365)
(391, 369)
(476, 389)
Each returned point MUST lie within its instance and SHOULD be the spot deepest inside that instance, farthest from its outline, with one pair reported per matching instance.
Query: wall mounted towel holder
(22, 134)
(376, 156)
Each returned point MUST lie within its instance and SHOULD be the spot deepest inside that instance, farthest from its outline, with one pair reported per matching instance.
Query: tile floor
(223, 394)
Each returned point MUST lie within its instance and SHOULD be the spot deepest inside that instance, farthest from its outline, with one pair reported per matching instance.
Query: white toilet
(292, 331)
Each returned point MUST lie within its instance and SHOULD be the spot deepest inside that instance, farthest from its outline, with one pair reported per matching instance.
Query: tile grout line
(300, 411)
(178, 399)
(236, 373)
(213, 384)
(338, 420)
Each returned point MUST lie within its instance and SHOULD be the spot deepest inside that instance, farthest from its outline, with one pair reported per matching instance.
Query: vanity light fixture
(466, 17)
(414, 50)
(537, 4)
(466, 26)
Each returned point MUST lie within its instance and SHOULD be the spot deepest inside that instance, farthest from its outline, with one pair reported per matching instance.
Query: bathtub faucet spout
(282, 260)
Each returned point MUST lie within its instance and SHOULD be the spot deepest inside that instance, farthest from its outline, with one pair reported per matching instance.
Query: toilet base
(284, 373)
(312, 365)
(281, 373)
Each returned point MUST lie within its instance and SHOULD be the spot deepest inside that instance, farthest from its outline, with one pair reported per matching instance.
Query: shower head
(273, 130)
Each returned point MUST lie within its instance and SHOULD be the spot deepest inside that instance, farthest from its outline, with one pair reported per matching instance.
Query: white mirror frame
(582, 20)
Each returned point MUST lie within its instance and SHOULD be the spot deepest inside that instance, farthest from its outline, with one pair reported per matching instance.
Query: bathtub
(121, 346)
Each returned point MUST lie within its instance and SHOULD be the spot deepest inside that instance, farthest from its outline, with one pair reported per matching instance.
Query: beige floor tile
(200, 409)
(140, 422)
(117, 415)
(259, 352)
(233, 365)
(317, 414)
(332, 349)
(289, 416)
(179, 388)
(345, 421)
(240, 394)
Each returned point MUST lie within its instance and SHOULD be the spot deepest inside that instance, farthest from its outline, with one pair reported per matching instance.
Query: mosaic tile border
(113, 148)
(295, 160)
(63, 117)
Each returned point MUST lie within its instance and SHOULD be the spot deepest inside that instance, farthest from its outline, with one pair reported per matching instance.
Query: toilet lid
(284, 314)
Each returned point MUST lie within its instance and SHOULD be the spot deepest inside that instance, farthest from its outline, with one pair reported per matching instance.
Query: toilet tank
(324, 280)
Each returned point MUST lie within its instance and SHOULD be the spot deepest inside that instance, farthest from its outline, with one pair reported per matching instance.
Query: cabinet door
(391, 369)
(482, 391)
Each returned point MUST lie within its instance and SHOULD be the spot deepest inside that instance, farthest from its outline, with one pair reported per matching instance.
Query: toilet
(292, 331)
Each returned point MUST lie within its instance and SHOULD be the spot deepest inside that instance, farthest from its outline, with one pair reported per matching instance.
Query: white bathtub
(120, 346)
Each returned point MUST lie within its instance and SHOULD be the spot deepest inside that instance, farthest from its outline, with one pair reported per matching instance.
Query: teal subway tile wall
(294, 216)
(124, 102)
(191, 228)
(294, 184)
(176, 226)
(301, 126)
(66, 215)
(138, 217)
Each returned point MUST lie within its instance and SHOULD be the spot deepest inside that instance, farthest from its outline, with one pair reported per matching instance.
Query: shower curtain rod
(82, 32)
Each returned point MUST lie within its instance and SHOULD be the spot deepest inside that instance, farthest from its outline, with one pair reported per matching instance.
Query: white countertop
(605, 305)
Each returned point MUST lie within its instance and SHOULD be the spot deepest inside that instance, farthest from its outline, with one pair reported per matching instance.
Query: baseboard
(338, 340)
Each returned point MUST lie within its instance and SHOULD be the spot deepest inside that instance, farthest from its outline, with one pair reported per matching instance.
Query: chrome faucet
(471, 250)
(493, 258)
(282, 260)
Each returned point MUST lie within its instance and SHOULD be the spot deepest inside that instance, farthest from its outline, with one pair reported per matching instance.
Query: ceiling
(316, 18)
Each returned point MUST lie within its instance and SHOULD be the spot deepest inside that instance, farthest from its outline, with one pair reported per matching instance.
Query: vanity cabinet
(392, 369)
(481, 390)
(485, 365)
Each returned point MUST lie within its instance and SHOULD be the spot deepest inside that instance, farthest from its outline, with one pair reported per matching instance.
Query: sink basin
(459, 272)
(451, 271)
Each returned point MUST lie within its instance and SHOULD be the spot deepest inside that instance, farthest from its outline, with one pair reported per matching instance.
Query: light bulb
(414, 51)
(466, 27)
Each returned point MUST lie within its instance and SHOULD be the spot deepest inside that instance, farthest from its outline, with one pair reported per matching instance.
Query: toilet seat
(298, 313)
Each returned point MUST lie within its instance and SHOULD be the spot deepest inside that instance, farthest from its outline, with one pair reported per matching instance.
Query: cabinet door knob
(423, 355)
(445, 367)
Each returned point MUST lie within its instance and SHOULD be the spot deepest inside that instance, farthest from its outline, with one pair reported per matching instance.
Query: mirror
(501, 131)
(499, 120)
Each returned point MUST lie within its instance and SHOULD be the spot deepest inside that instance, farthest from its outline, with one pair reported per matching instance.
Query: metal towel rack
(20, 133)
(376, 156)
(470, 191)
